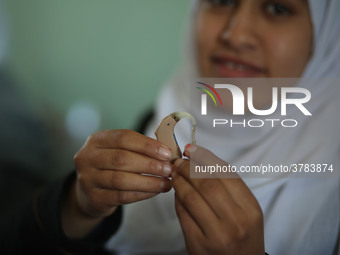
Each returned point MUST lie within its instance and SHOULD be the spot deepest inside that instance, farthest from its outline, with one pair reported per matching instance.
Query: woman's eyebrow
(305, 2)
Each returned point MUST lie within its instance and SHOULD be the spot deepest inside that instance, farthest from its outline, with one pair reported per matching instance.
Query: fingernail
(164, 152)
(178, 162)
(185, 153)
(189, 148)
(165, 185)
(167, 169)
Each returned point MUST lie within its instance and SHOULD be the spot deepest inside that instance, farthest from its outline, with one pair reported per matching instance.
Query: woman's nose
(241, 32)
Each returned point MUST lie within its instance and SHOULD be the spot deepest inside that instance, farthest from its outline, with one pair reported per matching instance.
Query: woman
(230, 39)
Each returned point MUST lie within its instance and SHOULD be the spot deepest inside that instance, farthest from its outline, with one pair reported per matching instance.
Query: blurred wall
(110, 56)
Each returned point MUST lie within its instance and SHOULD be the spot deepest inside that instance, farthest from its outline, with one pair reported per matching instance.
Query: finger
(111, 198)
(126, 181)
(212, 191)
(188, 224)
(132, 141)
(194, 204)
(205, 157)
(123, 160)
(231, 181)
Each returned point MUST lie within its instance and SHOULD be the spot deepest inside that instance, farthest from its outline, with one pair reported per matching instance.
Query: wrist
(76, 223)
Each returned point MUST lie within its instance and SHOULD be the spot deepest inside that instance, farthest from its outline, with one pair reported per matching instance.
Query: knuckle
(116, 181)
(83, 159)
(122, 197)
(119, 159)
(94, 136)
(113, 180)
(77, 159)
(241, 229)
(120, 136)
(83, 156)
(190, 198)
(214, 244)
(241, 232)
(154, 165)
(222, 242)
(150, 145)
(83, 182)
(208, 185)
(91, 137)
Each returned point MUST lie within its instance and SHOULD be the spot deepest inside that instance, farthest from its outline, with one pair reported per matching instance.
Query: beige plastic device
(165, 131)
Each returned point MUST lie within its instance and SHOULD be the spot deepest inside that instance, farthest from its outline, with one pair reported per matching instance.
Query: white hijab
(301, 215)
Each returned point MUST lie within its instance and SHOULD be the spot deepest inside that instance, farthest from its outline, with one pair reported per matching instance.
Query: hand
(218, 216)
(110, 172)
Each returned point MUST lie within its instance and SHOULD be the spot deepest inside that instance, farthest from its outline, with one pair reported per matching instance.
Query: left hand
(220, 215)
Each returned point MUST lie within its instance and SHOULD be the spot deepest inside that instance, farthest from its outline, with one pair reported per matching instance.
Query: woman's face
(253, 38)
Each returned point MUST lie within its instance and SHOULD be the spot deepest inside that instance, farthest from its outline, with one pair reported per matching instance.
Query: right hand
(110, 168)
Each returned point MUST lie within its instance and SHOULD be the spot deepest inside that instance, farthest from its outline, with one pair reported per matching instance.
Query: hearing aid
(165, 132)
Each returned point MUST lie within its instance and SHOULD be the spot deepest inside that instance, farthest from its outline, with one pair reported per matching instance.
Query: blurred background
(87, 65)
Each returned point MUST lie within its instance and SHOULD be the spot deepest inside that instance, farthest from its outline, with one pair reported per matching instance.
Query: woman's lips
(226, 67)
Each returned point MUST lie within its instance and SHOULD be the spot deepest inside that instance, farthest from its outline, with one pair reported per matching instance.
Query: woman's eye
(278, 9)
(222, 2)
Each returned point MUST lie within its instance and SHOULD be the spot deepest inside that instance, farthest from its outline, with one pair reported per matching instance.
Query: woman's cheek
(289, 55)
(283, 58)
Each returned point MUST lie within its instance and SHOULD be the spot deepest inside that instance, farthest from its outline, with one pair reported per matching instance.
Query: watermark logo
(289, 96)
(204, 97)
